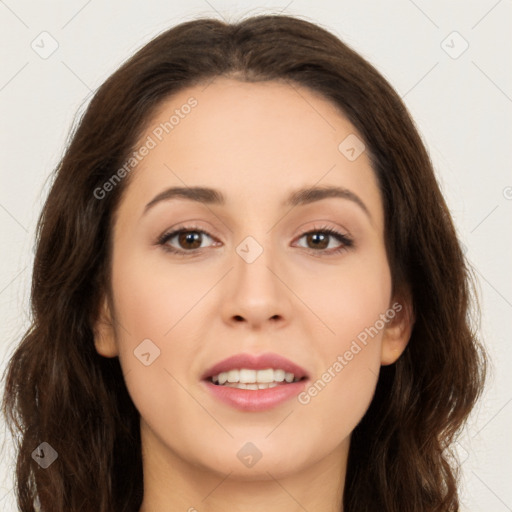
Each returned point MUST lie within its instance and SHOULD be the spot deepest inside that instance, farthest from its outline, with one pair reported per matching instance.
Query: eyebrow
(300, 197)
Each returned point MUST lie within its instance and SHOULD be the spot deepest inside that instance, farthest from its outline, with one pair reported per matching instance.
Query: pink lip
(253, 362)
(260, 399)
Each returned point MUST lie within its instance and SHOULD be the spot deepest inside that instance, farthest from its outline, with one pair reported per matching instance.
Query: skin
(255, 142)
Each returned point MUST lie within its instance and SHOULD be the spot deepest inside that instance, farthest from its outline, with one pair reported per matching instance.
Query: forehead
(254, 141)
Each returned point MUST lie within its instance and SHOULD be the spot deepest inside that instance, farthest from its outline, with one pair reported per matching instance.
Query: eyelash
(346, 241)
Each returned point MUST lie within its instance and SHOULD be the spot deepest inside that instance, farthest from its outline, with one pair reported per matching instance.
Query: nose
(256, 294)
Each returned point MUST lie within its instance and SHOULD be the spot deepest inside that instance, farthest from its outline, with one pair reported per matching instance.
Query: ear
(398, 329)
(104, 333)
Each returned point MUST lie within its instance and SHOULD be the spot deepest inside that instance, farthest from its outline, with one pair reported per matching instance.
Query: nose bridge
(256, 294)
(254, 257)
(252, 229)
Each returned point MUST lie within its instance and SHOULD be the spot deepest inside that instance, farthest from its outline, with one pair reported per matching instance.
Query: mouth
(249, 369)
(255, 383)
(246, 378)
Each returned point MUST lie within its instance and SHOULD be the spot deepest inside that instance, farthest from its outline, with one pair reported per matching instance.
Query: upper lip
(255, 362)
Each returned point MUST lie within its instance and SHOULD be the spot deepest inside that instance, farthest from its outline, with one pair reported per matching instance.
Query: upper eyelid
(190, 226)
(179, 229)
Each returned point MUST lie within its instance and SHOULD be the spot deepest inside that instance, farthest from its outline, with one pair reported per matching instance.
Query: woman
(248, 293)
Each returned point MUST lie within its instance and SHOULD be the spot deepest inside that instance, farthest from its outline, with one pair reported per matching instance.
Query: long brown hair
(59, 390)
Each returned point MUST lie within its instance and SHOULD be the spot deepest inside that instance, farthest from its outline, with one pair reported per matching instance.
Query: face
(267, 271)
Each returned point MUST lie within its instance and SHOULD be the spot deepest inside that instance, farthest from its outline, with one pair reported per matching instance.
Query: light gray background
(462, 106)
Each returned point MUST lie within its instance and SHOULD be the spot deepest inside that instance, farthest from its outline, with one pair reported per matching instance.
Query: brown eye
(184, 240)
(189, 237)
(317, 240)
(320, 240)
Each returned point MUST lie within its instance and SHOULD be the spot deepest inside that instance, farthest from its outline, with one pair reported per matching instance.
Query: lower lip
(256, 399)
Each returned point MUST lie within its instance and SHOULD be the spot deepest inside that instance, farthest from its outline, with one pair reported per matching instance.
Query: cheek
(151, 301)
(349, 298)
(155, 346)
(352, 304)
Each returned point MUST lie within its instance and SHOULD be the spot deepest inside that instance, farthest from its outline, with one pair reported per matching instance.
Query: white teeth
(245, 375)
(240, 385)
(233, 376)
(253, 379)
(288, 377)
(279, 375)
(265, 376)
